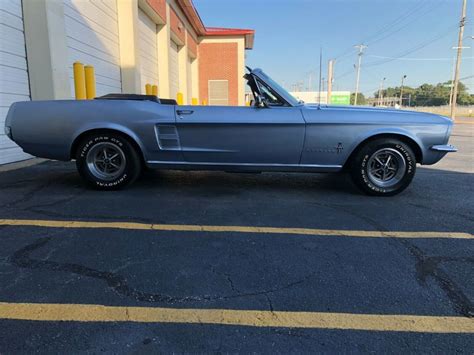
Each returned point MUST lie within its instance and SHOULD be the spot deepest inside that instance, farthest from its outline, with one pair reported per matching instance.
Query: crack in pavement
(437, 210)
(430, 267)
(22, 258)
(427, 266)
(28, 195)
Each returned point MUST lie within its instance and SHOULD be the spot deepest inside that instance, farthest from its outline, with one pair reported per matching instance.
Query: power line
(467, 77)
(346, 73)
(412, 49)
(389, 26)
(396, 30)
(416, 59)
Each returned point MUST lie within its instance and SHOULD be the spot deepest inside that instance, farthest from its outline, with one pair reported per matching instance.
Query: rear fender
(106, 126)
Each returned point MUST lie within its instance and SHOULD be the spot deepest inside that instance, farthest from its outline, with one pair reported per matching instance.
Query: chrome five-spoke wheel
(386, 167)
(106, 161)
(383, 166)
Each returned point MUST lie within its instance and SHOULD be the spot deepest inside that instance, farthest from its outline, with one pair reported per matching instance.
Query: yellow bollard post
(148, 89)
(79, 81)
(195, 101)
(154, 90)
(180, 98)
(90, 82)
(204, 102)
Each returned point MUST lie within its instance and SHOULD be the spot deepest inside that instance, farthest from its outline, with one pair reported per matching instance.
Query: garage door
(218, 92)
(174, 70)
(14, 84)
(93, 38)
(148, 50)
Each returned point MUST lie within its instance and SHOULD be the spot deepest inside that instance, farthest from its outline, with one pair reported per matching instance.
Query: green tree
(361, 100)
(429, 95)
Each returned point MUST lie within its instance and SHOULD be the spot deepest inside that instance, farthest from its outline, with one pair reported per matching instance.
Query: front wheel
(107, 161)
(383, 167)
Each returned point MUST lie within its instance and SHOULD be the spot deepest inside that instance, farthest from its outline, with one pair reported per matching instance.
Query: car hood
(380, 111)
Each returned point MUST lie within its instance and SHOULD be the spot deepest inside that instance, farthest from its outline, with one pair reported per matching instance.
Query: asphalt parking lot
(218, 262)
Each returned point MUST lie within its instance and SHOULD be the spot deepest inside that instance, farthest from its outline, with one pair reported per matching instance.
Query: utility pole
(452, 77)
(361, 48)
(401, 90)
(330, 79)
(452, 83)
(458, 59)
(320, 73)
(380, 91)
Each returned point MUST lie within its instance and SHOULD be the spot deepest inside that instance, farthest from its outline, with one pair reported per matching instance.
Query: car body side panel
(332, 133)
(241, 135)
(48, 128)
(302, 137)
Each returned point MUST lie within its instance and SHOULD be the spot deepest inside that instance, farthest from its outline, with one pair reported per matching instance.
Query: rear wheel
(383, 167)
(108, 161)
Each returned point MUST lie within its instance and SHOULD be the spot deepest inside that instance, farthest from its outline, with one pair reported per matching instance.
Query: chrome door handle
(184, 112)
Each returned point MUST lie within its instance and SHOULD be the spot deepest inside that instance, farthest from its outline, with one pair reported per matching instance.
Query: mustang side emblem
(337, 149)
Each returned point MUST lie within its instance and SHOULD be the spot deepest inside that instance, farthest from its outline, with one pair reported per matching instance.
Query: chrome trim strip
(447, 148)
(244, 164)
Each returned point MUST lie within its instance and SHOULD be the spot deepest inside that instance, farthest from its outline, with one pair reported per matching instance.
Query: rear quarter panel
(332, 133)
(48, 128)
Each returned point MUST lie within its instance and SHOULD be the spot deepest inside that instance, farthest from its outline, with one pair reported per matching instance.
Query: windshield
(285, 94)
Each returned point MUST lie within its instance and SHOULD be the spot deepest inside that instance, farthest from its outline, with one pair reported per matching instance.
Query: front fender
(396, 131)
(333, 143)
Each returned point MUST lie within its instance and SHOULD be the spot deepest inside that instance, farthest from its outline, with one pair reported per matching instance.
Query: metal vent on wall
(218, 92)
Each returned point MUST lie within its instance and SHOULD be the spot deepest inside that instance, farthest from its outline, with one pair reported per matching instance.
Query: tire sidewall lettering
(85, 148)
(363, 167)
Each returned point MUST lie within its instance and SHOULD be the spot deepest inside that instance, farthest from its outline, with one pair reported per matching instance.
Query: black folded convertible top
(137, 97)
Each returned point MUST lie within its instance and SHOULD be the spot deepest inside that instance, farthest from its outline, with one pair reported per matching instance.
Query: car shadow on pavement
(58, 177)
(215, 181)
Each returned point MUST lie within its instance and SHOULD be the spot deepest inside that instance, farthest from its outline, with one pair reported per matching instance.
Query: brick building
(129, 42)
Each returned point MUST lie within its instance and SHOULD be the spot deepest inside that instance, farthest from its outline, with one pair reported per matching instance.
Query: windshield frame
(285, 95)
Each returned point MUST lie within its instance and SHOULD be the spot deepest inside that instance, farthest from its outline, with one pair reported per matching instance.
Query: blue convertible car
(113, 137)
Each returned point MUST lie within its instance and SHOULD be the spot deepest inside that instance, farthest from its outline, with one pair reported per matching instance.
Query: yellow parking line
(251, 318)
(237, 229)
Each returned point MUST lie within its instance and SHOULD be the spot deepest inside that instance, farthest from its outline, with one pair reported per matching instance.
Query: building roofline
(220, 31)
(193, 17)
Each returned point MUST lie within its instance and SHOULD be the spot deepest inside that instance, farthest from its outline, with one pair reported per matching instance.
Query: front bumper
(444, 148)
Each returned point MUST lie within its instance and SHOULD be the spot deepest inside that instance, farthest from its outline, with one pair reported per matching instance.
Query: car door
(240, 134)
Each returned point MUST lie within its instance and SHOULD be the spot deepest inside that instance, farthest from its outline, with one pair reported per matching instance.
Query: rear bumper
(444, 148)
(8, 132)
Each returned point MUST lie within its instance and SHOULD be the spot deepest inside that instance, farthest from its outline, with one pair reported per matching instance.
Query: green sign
(341, 99)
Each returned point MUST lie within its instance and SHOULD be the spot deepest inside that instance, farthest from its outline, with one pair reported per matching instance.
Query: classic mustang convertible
(113, 137)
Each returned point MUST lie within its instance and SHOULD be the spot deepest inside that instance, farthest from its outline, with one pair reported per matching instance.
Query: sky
(290, 34)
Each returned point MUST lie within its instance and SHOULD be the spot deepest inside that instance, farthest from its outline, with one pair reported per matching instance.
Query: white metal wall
(14, 84)
(174, 70)
(93, 38)
(189, 79)
(148, 50)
